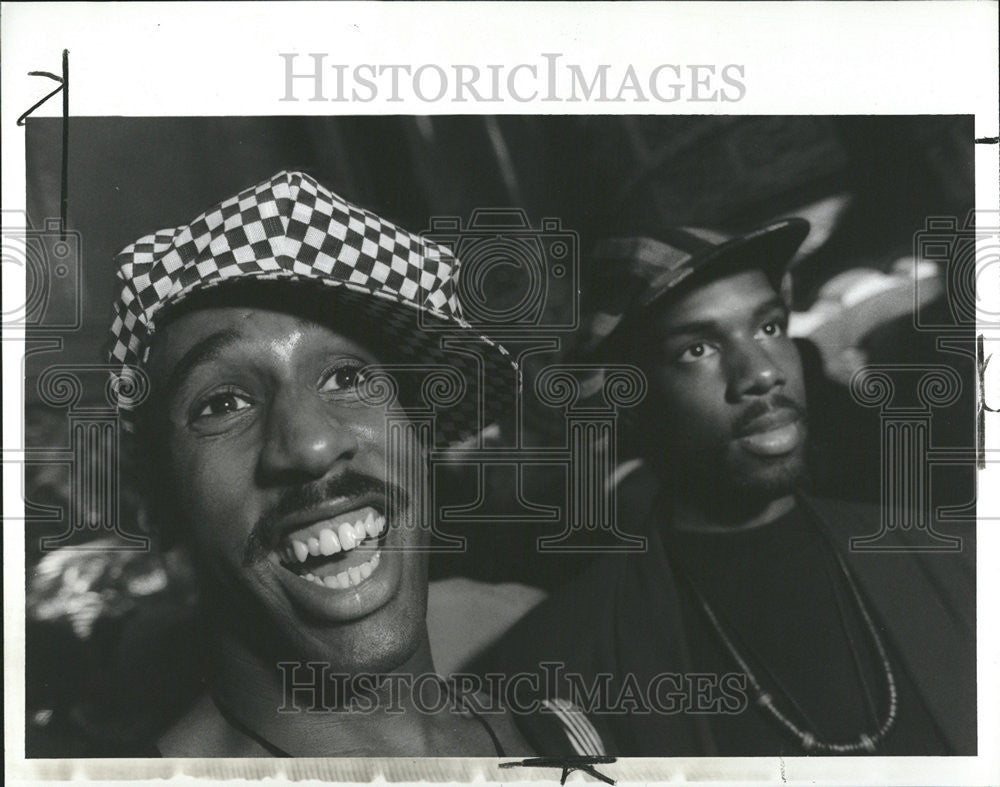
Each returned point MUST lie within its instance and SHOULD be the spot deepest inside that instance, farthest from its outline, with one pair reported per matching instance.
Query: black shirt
(781, 597)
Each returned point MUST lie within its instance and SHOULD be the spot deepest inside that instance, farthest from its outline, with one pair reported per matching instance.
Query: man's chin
(738, 483)
(372, 646)
(376, 643)
(261, 616)
(764, 481)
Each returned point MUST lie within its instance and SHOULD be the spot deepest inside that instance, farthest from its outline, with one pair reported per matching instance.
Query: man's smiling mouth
(338, 552)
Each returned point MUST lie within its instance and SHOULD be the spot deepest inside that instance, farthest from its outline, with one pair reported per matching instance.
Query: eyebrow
(712, 326)
(208, 349)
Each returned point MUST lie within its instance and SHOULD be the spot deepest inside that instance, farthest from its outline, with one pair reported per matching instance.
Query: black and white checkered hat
(291, 228)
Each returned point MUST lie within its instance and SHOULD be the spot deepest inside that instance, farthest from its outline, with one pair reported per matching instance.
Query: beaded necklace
(809, 740)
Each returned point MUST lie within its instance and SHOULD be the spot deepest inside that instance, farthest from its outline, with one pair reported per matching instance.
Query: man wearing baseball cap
(748, 626)
(276, 331)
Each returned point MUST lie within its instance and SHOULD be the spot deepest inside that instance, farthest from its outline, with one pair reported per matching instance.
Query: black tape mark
(37, 104)
(64, 89)
(568, 765)
(982, 361)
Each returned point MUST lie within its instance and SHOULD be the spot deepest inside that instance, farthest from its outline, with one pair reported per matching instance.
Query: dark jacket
(923, 602)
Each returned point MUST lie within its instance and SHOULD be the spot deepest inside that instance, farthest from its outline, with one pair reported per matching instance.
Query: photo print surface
(661, 475)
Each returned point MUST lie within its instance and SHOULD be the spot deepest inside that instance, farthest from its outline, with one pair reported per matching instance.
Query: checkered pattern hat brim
(637, 271)
(291, 228)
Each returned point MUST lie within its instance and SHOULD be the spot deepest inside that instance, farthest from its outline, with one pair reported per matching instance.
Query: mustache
(294, 500)
(759, 408)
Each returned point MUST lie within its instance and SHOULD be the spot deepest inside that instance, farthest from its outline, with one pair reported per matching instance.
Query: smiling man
(748, 626)
(269, 328)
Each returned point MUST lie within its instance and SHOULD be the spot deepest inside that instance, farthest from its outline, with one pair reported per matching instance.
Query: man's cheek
(213, 490)
(795, 377)
(693, 426)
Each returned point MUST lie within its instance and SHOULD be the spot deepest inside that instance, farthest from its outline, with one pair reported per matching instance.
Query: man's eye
(772, 328)
(224, 403)
(696, 352)
(346, 377)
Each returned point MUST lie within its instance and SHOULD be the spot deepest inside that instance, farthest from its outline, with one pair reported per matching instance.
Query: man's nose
(304, 438)
(752, 371)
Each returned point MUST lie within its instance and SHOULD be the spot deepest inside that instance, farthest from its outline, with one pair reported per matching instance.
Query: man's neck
(296, 709)
(696, 517)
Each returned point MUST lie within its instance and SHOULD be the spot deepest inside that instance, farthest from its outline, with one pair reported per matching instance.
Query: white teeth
(347, 539)
(371, 526)
(353, 576)
(328, 542)
(333, 539)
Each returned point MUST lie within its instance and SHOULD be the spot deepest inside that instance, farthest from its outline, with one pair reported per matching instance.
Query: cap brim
(415, 337)
(769, 249)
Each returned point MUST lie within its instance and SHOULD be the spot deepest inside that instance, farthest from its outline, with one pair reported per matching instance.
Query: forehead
(720, 300)
(252, 334)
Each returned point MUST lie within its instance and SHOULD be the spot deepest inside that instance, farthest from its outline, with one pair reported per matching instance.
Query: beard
(728, 482)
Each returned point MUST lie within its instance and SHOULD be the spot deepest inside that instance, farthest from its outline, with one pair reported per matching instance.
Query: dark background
(110, 635)
(128, 177)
